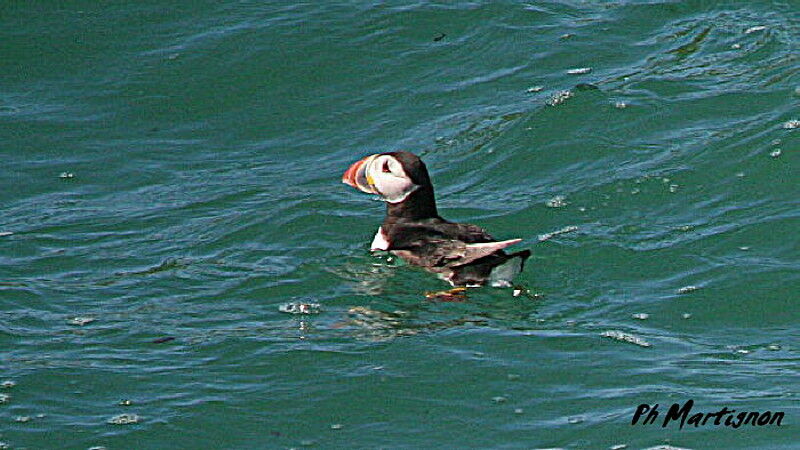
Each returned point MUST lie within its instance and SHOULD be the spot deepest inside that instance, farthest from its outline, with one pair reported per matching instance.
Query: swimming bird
(462, 254)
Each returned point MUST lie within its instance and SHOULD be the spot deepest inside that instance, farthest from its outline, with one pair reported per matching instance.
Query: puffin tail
(522, 255)
(504, 274)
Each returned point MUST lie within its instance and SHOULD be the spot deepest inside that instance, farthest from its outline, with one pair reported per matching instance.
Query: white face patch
(387, 176)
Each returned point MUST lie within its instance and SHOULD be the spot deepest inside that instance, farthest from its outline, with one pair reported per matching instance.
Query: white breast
(380, 242)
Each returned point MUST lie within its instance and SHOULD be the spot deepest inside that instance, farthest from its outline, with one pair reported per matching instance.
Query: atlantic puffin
(460, 253)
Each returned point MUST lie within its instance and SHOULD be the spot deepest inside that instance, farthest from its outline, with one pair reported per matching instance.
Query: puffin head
(394, 176)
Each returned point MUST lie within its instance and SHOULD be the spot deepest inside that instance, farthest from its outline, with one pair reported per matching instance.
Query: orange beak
(356, 176)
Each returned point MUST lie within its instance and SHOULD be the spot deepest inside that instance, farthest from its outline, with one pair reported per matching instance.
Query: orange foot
(458, 294)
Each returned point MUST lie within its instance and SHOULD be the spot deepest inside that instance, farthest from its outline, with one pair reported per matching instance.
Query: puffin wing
(452, 252)
(465, 232)
(404, 233)
(480, 250)
(444, 244)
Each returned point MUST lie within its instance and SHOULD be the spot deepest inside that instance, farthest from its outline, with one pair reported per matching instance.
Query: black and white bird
(461, 253)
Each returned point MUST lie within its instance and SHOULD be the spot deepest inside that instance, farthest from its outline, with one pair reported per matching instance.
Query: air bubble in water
(625, 337)
(300, 308)
(124, 419)
(559, 98)
(559, 201)
(579, 71)
(754, 29)
(81, 321)
(687, 289)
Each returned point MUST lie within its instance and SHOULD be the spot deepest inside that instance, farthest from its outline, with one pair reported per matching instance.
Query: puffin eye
(385, 168)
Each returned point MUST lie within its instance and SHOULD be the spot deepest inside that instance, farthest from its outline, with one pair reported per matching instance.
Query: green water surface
(170, 181)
